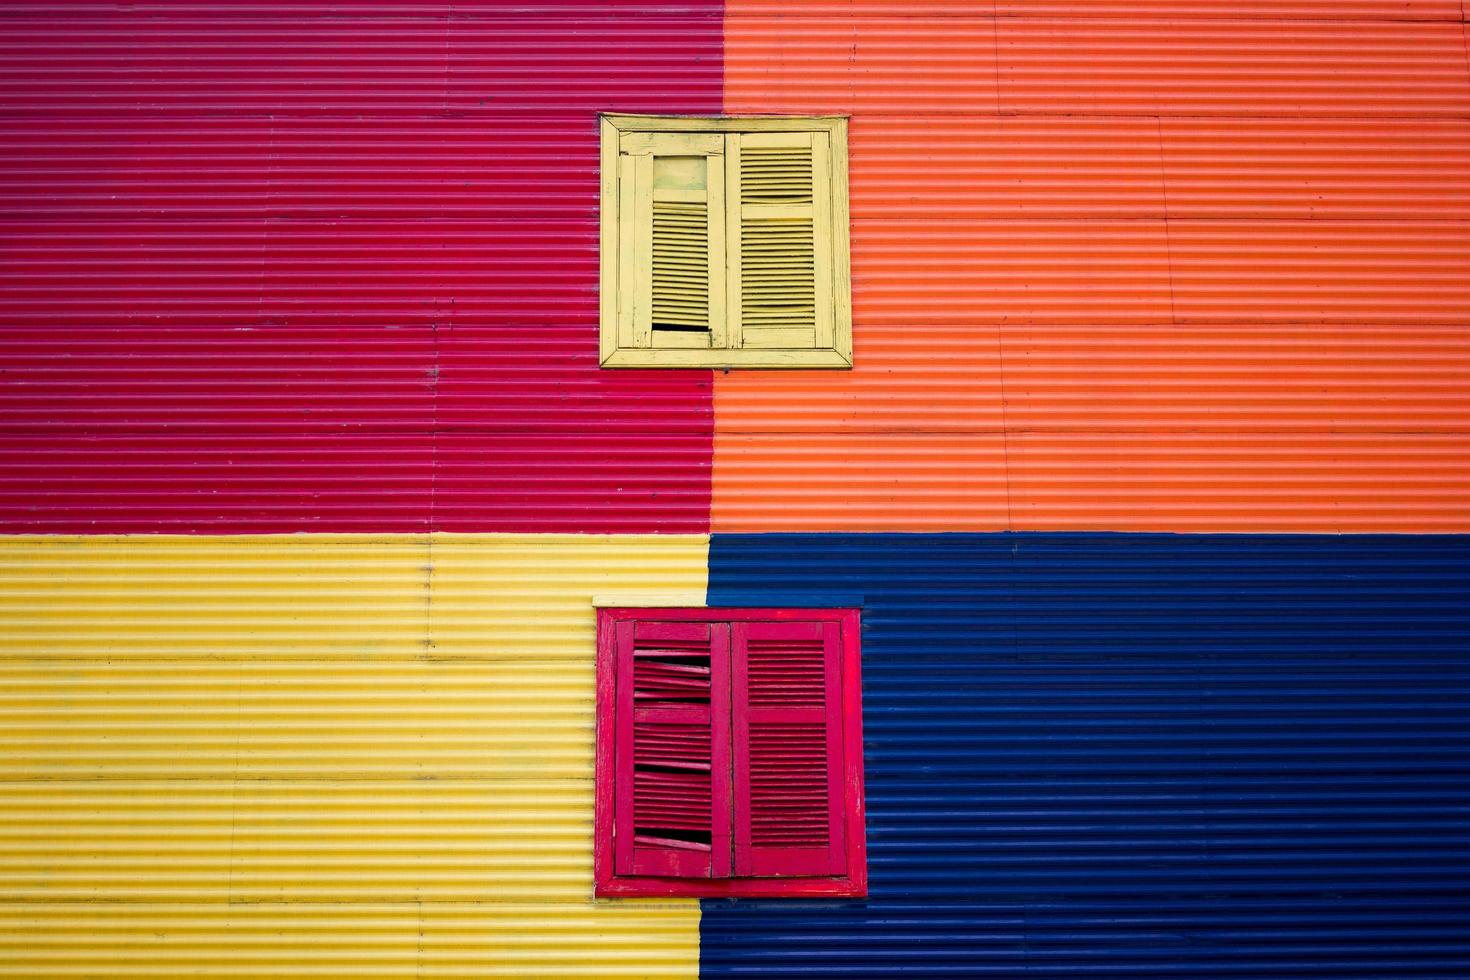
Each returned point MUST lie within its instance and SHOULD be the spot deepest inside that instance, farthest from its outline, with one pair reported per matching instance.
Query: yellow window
(724, 243)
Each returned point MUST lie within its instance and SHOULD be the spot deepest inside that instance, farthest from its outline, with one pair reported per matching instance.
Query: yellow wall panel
(249, 719)
(274, 596)
(327, 755)
(434, 941)
(310, 840)
(212, 939)
(473, 941)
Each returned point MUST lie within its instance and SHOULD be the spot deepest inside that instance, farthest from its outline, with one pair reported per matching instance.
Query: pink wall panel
(331, 267)
(172, 481)
(217, 379)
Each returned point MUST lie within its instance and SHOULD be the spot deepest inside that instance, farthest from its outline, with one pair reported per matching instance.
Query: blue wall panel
(1134, 755)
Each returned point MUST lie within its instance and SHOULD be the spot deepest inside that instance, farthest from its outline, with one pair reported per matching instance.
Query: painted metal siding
(331, 267)
(1127, 265)
(354, 756)
(1138, 755)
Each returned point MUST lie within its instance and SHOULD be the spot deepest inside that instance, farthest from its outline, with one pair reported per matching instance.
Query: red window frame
(738, 871)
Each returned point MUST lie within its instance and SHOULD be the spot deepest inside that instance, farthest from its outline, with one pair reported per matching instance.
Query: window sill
(626, 887)
(725, 359)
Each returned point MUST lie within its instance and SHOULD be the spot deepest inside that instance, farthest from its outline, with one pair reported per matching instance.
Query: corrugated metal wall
(331, 267)
(1125, 265)
(1138, 755)
(362, 756)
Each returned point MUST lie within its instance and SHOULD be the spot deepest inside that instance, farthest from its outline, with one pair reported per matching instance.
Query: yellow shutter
(671, 224)
(780, 240)
(725, 243)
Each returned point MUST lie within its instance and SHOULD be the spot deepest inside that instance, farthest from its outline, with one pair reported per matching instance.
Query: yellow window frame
(624, 258)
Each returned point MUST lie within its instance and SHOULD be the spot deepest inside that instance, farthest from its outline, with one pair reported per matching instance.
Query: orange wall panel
(861, 481)
(1239, 481)
(1317, 168)
(1301, 380)
(944, 166)
(813, 61)
(1357, 271)
(1123, 266)
(1214, 9)
(1445, 10)
(1246, 67)
(989, 271)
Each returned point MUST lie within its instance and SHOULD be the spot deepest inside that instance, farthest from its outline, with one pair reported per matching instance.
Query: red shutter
(789, 818)
(672, 743)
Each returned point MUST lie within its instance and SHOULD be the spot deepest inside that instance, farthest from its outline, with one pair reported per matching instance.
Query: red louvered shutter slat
(672, 738)
(788, 749)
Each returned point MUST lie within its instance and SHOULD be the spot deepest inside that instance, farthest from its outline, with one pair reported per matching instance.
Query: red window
(729, 753)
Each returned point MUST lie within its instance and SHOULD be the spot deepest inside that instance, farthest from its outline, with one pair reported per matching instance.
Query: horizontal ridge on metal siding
(1166, 67)
(1153, 269)
(320, 60)
(1137, 379)
(1272, 10)
(1138, 755)
(281, 754)
(326, 267)
(374, 720)
(952, 168)
(1079, 65)
(1395, 169)
(401, 941)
